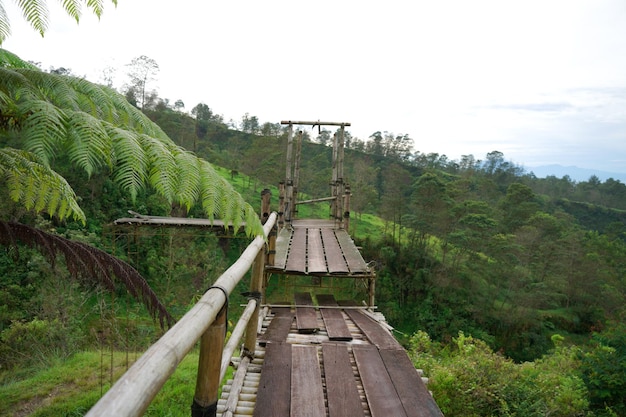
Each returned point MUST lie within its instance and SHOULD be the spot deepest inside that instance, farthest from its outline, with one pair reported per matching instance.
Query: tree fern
(96, 128)
(37, 187)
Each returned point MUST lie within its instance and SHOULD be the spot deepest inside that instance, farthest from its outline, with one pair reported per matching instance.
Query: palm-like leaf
(96, 128)
(86, 262)
(36, 13)
(33, 184)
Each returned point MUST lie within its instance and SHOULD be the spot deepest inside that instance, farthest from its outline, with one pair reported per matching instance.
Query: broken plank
(306, 317)
(279, 327)
(334, 321)
(374, 332)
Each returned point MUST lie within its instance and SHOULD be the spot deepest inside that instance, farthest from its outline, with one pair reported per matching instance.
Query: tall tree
(141, 71)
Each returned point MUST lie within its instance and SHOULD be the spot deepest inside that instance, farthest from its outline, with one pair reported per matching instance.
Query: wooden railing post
(346, 208)
(256, 289)
(209, 364)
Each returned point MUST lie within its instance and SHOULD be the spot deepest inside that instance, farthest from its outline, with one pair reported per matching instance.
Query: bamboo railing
(206, 321)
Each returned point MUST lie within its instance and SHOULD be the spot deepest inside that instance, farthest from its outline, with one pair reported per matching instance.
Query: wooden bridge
(312, 355)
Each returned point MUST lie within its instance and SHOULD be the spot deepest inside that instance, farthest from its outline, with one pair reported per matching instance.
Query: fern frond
(72, 8)
(163, 172)
(92, 99)
(36, 13)
(87, 263)
(43, 128)
(88, 145)
(52, 87)
(188, 181)
(5, 27)
(97, 7)
(36, 186)
(130, 166)
(10, 60)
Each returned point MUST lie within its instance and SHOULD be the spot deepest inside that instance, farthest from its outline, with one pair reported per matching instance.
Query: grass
(71, 387)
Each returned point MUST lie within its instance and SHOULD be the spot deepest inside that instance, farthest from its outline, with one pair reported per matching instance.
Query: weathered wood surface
(316, 247)
(374, 332)
(353, 257)
(341, 388)
(282, 248)
(414, 395)
(316, 262)
(307, 392)
(381, 394)
(334, 256)
(274, 392)
(296, 260)
(306, 317)
(279, 326)
(334, 322)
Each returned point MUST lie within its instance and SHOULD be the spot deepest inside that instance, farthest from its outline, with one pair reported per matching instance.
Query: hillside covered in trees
(473, 257)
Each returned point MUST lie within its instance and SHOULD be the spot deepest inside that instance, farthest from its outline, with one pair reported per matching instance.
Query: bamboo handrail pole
(236, 336)
(292, 122)
(132, 393)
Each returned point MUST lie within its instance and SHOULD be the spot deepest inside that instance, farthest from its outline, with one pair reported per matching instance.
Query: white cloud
(538, 80)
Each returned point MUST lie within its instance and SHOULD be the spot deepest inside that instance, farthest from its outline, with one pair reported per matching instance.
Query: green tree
(141, 71)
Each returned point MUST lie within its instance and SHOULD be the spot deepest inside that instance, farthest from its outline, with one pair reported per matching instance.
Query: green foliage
(50, 117)
(604, 367)
(468, 379)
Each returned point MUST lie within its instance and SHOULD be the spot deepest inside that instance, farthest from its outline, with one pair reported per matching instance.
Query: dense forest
(485, 270)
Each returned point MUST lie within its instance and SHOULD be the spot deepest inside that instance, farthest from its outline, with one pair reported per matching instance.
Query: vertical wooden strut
(209, 363)
(296, 174)
(289, 176)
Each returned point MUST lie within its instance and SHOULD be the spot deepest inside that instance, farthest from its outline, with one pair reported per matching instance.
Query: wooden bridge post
(296, 176)
(256, 290)
(209, 364)
(281, 205)
(346, 208)
(289, 176)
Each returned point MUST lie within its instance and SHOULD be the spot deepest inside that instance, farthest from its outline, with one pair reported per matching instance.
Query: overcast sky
(543, 81)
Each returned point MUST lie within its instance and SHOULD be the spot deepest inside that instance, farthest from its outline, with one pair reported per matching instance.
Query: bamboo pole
(132, 393)
(237, 333)
(208, 376)
(256, 287)
(233, 396)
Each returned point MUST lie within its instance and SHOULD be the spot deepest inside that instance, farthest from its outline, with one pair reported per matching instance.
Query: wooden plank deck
(306, 317)
(279, 327)
(274, 391)
(308, 375)
(336, 326)
(343, 395)
(381, 394)
(307, 393)
(414, 395)
(316, 247)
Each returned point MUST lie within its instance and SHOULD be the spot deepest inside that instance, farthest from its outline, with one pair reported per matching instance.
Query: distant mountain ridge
(575, 173)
